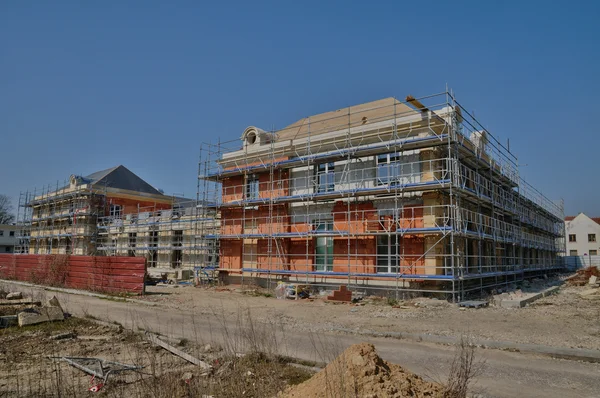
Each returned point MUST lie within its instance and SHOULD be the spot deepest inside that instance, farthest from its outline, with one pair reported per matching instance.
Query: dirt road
(506, 374)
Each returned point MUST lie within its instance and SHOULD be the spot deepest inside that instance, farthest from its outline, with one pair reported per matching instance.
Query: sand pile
(360, 372)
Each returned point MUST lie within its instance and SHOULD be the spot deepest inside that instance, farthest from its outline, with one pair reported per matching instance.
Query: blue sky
(86, 86)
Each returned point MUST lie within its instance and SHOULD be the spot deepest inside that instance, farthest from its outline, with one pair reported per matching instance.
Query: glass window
(572, 252)
(591, 237)
(252, 186)
(11, 233)
(325, 177)
(324, 247)
(593, 252)
(572, 238)
(115, 210)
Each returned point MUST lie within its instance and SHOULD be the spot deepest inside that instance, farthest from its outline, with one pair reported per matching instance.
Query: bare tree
(6, 210)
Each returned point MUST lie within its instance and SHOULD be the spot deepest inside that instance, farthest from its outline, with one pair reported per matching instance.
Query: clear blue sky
(85, 86)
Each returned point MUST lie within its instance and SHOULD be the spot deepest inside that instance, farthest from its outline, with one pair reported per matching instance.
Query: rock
(63, 336)
(40, 315)
(187, 376)
(593, 280)
(207, 348)
(53, 302)
(14, 296)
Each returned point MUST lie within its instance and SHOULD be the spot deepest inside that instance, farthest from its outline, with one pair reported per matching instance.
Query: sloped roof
(121, 177)
(595, 219)
(369, 112)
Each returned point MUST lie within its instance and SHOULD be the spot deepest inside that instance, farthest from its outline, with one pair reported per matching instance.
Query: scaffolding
(411, 195)
(59, 219)
(76, 217)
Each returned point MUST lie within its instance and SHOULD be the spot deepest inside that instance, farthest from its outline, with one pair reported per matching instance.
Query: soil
(360, 372)
(561, 320)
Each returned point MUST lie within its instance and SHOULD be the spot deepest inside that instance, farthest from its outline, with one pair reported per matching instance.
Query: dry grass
(466, 366)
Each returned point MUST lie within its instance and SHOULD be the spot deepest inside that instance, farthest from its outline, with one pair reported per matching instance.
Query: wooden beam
(154, 339)
(416, 103)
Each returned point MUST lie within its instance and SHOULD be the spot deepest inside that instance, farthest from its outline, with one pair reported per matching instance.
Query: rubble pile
(360, 372)
(582, 277)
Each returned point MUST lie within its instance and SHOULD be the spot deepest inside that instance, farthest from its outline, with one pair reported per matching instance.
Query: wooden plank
(154, 339)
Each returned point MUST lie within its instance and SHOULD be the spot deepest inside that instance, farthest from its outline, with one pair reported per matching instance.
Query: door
(387, 254)
(324, 247)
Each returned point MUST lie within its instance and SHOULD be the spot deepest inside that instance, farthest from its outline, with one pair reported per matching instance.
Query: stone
(14, 296)
(40, 315)
(207, 348)
(187, 376)
(593, 280)
(53, 302)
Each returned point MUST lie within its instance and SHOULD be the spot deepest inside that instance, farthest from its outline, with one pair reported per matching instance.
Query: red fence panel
(96, 273)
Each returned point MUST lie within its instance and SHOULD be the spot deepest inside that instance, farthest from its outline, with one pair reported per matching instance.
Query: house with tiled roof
(582, 235)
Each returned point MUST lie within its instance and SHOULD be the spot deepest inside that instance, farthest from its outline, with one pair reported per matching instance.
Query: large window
(593, 252)
(394, 169)
(572, 238)
(325, 177)
(252, 185)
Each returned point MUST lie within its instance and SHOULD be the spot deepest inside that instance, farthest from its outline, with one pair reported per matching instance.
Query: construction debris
(14, 296)
(360, 372)
(582, 277)
(343, 294)
(154, 339)
(98, 367)
(473, 304)
(49, 313)
(8, 321)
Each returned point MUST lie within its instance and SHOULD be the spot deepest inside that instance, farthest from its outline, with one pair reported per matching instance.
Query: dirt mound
(582, 276)
(360, 372)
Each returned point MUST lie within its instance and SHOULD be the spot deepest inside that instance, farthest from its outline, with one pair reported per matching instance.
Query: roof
(122, 178)
(595, 219)
(357, 115)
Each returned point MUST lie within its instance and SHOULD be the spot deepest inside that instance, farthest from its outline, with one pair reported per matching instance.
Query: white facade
(582, 235)
(7, 238)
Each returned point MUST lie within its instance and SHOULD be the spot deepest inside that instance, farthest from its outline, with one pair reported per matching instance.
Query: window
(250, 226)
(591, 237)
(1, 232)
(393, 169)
(324, 247)
(252, 186)
(7, 249)
(325, 177)
(593, 252)
(572, 238)
(115, 210)
(11, 233)
(572, 252)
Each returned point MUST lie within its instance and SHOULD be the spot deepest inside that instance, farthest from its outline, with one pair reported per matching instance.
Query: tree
(6, 214)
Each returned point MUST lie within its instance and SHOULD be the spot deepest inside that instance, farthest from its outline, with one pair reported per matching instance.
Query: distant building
(113, 212)
(8, 238)
(582, 235)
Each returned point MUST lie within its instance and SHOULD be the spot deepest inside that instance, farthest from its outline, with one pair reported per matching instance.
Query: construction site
(412, 196)
(407, 196)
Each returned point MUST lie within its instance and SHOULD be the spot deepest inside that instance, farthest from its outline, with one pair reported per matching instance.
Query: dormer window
(251, 138)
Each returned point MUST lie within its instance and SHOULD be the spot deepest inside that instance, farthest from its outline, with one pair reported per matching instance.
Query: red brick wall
(96, 273)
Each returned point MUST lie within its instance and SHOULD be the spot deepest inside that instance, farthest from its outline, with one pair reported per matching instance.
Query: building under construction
(410, 195)
(113, 212)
